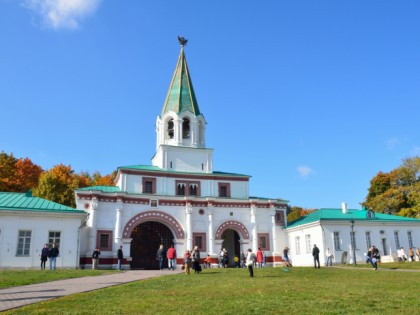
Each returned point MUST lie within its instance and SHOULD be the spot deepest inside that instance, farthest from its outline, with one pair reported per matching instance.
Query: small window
(368, 241)
(199, 240)
(279, 217)
(353, 239)
(24, 243)
(224, 190)
(397, 239)
(297, 244)
(171, 129)
(104, 240)
(180, 189)
(54, 237)
(410, 239)
(187, 188)
(337, 240)
(153, 203)
(149, 185)
(308, 243)
(263, 241)
(185, 128)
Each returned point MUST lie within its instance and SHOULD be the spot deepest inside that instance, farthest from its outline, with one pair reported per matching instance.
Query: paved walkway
(28, 294)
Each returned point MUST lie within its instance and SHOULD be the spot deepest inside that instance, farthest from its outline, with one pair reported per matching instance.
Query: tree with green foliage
(396, 192)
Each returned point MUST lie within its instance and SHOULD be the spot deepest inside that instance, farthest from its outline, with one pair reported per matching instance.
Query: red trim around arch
(157, 216)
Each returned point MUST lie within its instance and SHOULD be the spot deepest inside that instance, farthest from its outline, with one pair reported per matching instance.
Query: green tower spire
(181, 96)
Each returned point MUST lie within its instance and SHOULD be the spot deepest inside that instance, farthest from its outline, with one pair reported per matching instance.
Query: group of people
(51, 253)
(192, 260)
(170, 254)
(402, 257)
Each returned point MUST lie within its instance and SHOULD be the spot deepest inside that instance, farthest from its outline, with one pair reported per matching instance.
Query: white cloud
(61, 14)
(304, 171)
(392, 143)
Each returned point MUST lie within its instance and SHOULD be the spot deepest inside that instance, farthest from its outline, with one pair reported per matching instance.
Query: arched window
(171, 129)
(185, 128)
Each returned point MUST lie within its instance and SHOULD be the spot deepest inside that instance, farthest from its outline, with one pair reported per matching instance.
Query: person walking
(250, 258)
(120, 256)
(315, 254)
(195, 257)
(259, 258)
(187, 262)
(171, 254)
(160, 256)
(286, 258)
(411, 253)
(53, 254)
(330, 256)
(44, 256)
(95, 258)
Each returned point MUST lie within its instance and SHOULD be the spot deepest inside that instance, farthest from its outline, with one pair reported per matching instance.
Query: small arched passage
(231, 232)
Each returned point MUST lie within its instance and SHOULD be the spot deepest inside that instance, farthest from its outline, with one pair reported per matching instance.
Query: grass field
(232, 291)
(11, 278)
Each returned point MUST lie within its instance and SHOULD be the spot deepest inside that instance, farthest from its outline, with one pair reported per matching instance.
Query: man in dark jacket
(120, 258)
(95, 258)
(315, 253)
(53, 254)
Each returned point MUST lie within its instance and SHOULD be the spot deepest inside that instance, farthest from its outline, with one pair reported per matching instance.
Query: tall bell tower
(181, 127)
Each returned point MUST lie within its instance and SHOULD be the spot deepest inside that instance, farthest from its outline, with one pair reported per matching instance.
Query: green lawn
(415, 265)
(13, 278)
(232, 291)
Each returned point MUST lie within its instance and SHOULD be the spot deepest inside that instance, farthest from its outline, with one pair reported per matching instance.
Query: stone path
(28, 294)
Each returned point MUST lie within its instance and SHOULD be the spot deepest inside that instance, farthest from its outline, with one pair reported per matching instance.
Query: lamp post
(352, 243)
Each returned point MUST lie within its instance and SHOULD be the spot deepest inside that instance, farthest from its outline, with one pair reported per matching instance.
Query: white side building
(27, 223)
(348, 233)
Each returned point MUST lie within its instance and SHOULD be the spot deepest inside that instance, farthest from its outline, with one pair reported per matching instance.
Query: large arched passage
(146, 239)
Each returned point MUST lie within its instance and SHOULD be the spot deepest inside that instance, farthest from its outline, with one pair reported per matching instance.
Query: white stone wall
(40, 225)
(379, 231)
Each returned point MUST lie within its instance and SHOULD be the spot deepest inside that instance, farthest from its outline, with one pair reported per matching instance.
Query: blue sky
(310, 98)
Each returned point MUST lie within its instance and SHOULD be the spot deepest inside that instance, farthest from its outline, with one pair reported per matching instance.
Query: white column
(118, 225)
(92, 234)
(178, 130)
(210, 232)
(254, 228)
(188, 211)
(273, 232)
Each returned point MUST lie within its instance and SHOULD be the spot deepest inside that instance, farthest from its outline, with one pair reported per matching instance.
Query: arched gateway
(148, 230)
(231, 232)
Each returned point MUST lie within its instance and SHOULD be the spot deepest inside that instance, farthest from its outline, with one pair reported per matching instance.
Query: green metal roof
(158, 169)
(181, 96)
(26, 202)
(108, 189)
(352, 214)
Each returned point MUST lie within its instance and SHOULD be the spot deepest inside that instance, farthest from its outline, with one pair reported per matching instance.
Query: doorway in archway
(146, 239)
(231, 242)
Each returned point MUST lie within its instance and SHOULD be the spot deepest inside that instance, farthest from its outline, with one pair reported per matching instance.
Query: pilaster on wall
(93, 220)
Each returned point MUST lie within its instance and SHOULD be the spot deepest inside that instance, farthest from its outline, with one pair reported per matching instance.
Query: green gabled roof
(158, 169)
(352, 214)
(181, 95)
(26, 202)
(108, 189)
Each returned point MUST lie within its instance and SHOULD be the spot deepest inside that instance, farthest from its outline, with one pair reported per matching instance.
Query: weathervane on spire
(182, 41)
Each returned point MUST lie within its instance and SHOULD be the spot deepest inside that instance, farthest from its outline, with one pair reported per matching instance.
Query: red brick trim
(233, 225)
(157, 216)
